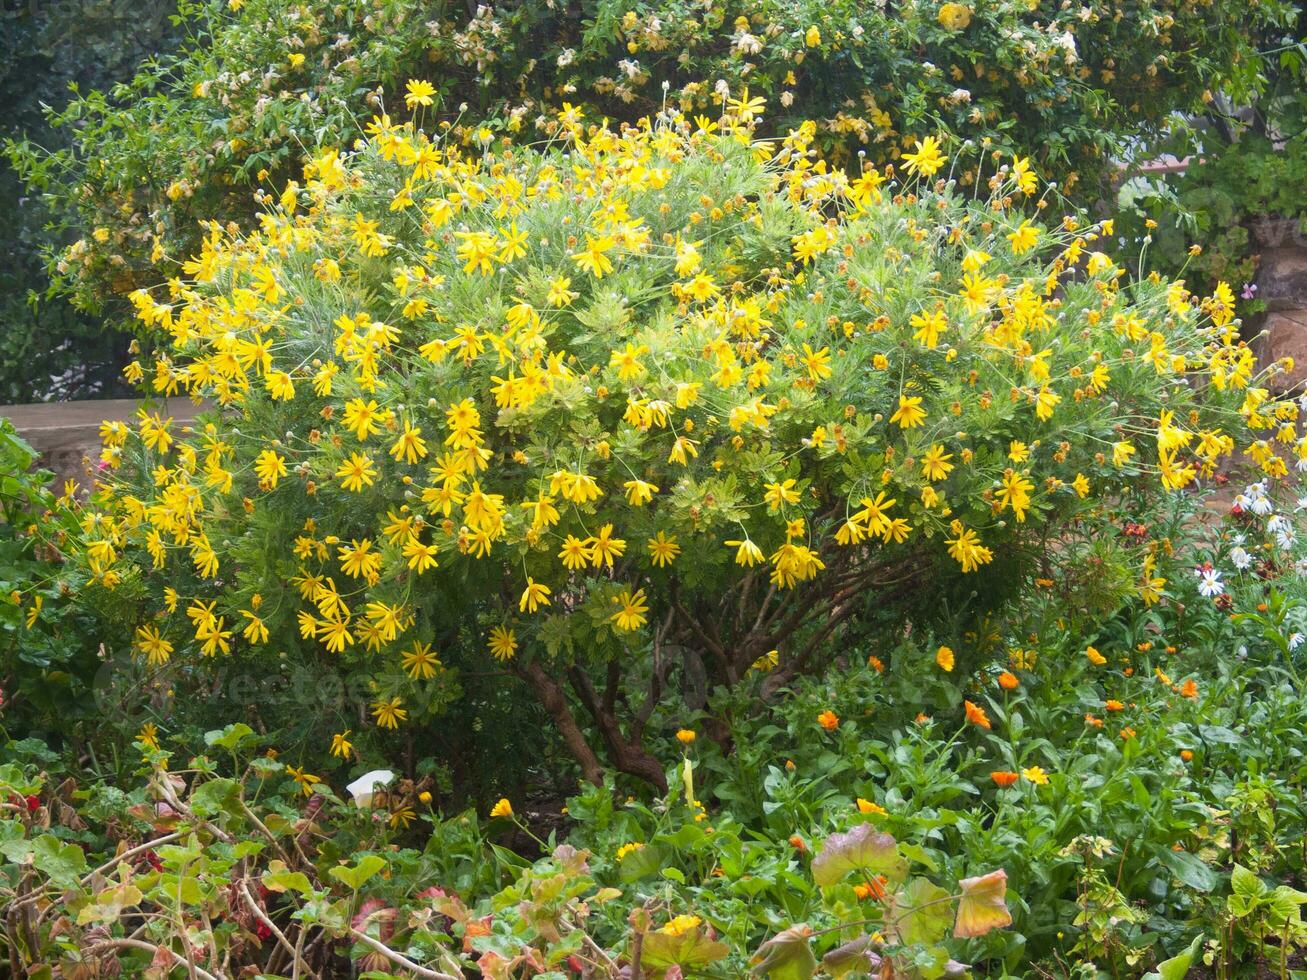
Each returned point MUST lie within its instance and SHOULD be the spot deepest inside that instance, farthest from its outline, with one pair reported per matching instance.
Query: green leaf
(919, 855)
(1177, 967)
(110, 904)
(279, 879)
(786, 956)
(1246, 884)
(854, 956)
(229, 738)
(63, 864)
(355, 877)
(1190, 869)
(924, 911)
(216, 796)
(861, 849)
(691, 948)
(1283, 906)
(640, 863)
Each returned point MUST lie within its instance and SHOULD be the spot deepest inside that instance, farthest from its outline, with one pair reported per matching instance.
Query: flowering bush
(262, 79)
(639, 408)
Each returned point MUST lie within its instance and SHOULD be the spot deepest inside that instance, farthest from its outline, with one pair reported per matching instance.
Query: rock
(1282, 272)
(1282, 286)
(67, 434)
(1286, 336)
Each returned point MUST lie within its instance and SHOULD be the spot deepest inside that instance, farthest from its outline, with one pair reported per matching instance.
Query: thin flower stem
(399, 958)
(178, 960)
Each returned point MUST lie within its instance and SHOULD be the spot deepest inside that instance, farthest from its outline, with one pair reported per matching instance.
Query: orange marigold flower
(876, 664)
(1127, 733)
(921, 718)
(1187, 755)
(1189, 689)
(1092, 720)
(797, 843)
(867, 806)
(1008, 680)
(828, 720)
(976, 715)
(1003, 778)
(1114, 705)
(872, 888)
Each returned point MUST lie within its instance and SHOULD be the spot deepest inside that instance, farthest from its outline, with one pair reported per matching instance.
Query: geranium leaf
(691, 948)
(922, 910)
(982, 906)
(786, 956)
(855, 955)
(862, 849)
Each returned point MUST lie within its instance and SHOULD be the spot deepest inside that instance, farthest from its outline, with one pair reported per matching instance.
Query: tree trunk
(554, 700)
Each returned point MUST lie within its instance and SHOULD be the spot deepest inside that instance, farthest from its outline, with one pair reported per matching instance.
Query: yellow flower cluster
(538, 383)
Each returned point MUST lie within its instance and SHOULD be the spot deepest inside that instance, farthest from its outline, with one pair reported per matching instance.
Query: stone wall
(1282, 285)
(67, 434)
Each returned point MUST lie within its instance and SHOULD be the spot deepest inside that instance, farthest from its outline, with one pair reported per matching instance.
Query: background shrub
(260, 83)
(51, 53)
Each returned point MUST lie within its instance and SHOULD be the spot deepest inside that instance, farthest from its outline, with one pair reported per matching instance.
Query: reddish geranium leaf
(856, 955)
(786, 956)
(862, 849)
(661, 951)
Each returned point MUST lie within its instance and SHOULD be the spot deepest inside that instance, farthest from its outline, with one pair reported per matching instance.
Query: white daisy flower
(1209, 584)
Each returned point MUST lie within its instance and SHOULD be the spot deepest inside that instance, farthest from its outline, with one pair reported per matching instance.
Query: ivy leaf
(355, 877)
(982, 906)
(62, 863)
(640, 863)
(110, 904)
(863, 849)
(279, 879)
(923, 910)
(786, 956)
(230, 737)
(661, 951)
(856, 955)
